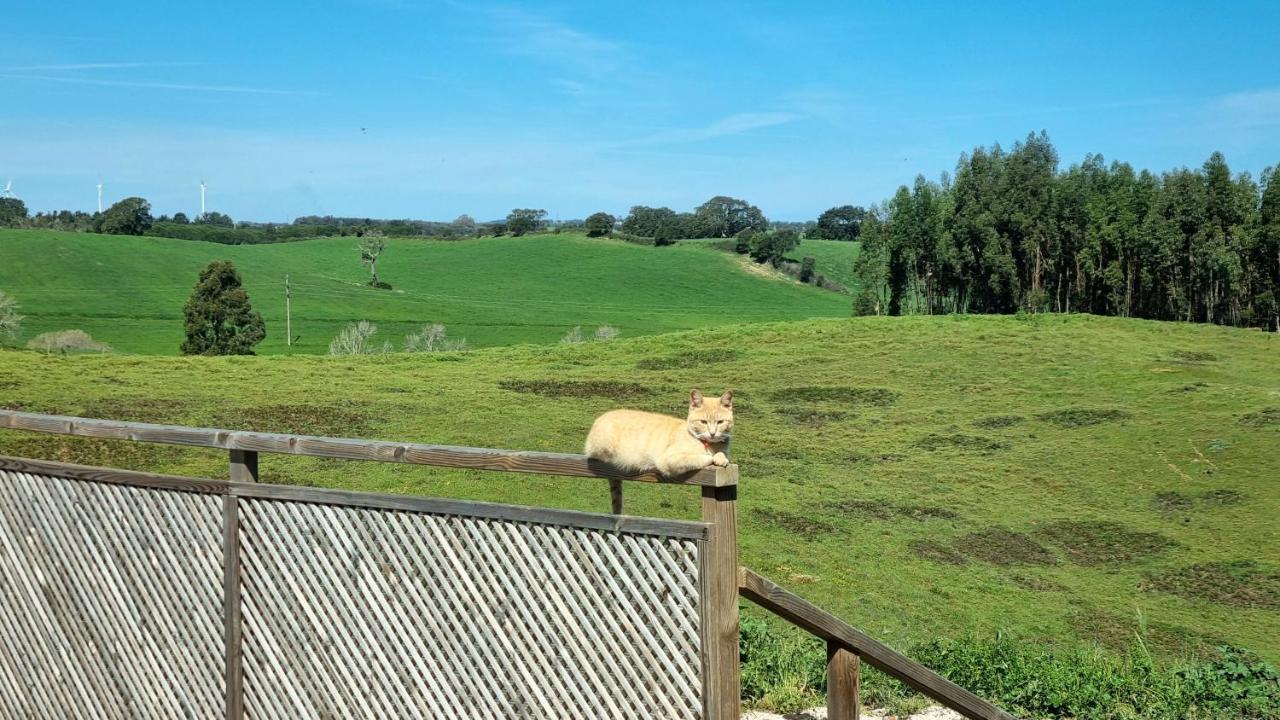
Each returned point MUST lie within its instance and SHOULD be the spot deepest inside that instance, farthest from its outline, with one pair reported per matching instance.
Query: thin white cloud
(158, 85)
(89, 66)
(543, 38)
(1251, 108)
(732, 125)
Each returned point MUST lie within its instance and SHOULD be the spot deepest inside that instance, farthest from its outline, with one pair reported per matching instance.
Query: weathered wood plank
(112, 475)
(233, 634)
(543, 463)
(244, 466)
(823, 624)
(842, 683)
(469, 508)
(722, 681)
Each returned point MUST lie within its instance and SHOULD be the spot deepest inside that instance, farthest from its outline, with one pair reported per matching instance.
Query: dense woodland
(1011, 232)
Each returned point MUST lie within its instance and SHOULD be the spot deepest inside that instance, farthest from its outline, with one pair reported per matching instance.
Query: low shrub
(64, 342)
(357, 339)
(433, 338)
(784, 670)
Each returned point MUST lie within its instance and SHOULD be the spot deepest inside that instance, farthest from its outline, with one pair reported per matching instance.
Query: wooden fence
(128, 594)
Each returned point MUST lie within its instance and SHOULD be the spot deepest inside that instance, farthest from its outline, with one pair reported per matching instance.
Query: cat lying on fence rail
(643, 441)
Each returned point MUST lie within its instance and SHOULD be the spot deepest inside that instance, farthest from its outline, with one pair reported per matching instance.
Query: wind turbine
(202, 189)
(99, 195)
(8, 189)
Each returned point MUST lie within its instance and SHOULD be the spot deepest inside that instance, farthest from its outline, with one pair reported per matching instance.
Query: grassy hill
(1054, 477)
(834, 258)
(129, 291)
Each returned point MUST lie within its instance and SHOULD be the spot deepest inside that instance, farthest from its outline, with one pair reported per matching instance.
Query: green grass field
(129, 291)
(834, 259)
(1053, 477)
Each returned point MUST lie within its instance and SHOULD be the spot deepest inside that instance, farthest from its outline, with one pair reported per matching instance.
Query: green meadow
(129, 291)
(1058, 479)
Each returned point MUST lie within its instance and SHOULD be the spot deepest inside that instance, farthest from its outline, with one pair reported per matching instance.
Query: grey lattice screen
(349, 605)
(353, 612)
(110, 601)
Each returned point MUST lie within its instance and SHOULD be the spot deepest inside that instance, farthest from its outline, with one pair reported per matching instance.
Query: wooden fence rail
(843, 638)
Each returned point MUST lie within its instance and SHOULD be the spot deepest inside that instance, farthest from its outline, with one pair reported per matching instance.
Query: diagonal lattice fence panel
(110, 600)
(375, 613)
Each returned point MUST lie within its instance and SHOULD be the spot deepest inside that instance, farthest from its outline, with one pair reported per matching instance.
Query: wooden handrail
(543, 463)
(819, 622)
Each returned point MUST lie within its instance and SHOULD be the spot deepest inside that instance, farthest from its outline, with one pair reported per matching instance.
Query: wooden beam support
(842, 683)
(244, 466)
(722, 684)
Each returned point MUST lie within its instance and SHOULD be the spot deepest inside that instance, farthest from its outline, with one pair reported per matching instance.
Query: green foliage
(784, 670)
(522, 221)
(840, 223)
(1013, 233)
(807, 266)
(13, 212)
(219, 318)
(648, 222)
(742, 241)
(130, 216)
(216, 219)
(723, 216)
(600, 223)
(180, 218)
(773, 246)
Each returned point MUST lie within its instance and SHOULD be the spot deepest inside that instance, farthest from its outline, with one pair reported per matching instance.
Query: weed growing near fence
(784, 670)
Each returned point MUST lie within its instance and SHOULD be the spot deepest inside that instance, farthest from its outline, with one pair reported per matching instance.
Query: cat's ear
(726, 400)
(695, 398)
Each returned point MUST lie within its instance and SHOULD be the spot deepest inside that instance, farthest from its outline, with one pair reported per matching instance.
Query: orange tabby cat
(642, 441)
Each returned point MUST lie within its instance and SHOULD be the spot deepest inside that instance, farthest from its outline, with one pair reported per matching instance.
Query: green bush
(785, 670)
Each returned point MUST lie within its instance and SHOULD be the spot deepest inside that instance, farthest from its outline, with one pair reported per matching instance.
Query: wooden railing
(847, 646)
(724, 581)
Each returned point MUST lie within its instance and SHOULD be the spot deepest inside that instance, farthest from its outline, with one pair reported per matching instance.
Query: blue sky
(396, 108)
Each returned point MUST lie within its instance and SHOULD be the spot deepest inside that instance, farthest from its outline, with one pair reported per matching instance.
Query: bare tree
(357, 339)
(432, 338)
(10, 320)
(371, 246)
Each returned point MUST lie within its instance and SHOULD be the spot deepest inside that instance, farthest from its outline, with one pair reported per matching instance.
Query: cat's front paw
(720, 459)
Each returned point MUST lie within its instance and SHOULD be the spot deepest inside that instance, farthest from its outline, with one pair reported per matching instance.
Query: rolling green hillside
(834, 258)
(129, 291)
(1054, 477)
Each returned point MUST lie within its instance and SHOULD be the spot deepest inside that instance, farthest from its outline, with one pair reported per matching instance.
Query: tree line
(1012, 232)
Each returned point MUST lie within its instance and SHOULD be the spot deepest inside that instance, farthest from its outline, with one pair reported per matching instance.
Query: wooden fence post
(231, 620)
(723, 689)
(244, 466)
(842, 683)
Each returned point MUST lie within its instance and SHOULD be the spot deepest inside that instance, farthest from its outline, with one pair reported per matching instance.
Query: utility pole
(288, 312)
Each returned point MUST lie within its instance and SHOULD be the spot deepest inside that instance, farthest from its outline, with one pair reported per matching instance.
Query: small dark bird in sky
(364, 131)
